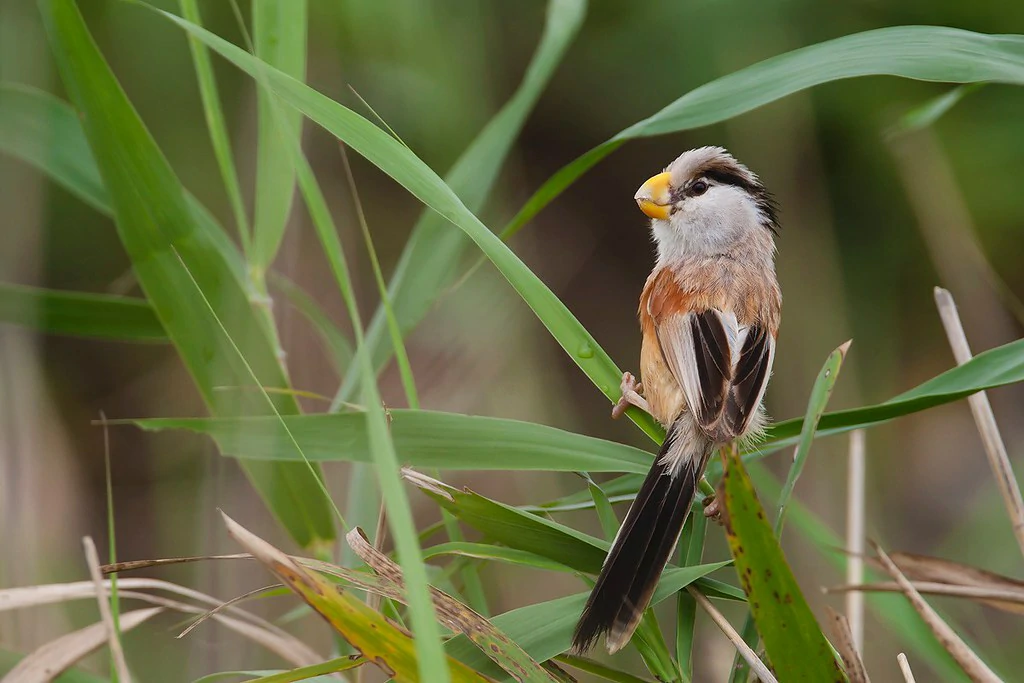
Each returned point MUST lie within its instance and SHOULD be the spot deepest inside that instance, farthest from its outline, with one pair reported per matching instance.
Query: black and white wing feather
(722, 368)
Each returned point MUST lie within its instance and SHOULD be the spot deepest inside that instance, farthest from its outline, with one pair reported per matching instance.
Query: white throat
(713, 224)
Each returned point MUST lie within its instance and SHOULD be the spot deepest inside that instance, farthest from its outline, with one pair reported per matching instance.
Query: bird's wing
(723, 368)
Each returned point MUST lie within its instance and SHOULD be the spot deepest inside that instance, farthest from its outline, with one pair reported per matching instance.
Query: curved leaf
(77, 313)
(422, 439)
(927, 53)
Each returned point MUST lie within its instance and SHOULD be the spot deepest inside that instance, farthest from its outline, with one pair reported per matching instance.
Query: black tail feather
(641, 549)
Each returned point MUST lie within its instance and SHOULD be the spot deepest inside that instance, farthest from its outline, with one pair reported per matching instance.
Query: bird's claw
(630, 395)
(712, 510)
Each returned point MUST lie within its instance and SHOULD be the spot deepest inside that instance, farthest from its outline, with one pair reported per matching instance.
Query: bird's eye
(698, 188)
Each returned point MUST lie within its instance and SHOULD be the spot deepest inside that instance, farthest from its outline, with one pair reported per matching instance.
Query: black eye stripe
(726, 177)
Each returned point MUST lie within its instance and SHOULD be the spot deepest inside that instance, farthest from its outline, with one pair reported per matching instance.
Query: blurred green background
(870, 224)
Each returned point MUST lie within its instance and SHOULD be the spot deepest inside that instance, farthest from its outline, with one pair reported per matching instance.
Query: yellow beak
(655, 196)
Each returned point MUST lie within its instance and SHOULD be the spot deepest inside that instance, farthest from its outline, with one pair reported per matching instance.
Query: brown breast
(697, 285)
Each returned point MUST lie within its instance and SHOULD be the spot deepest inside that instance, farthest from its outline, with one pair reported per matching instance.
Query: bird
(709, 316)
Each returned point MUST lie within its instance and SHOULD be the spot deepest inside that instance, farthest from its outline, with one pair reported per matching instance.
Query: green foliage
(792, 638)
(208, 299)
(191, 286)
(83, 315)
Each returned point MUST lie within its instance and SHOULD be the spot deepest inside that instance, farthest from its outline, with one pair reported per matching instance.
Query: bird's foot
(630, 396)
(712, 510)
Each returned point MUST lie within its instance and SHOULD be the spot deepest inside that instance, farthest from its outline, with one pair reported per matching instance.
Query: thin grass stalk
(908, 675)
(115, 606)
(936, 588)
(116, 651)
(471, 578)
(751, 658)
(216, 125)
(995, 449)
(968, 660)
(855, 537)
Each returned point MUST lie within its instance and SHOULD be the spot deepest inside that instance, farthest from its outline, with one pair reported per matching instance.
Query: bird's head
(705, 203)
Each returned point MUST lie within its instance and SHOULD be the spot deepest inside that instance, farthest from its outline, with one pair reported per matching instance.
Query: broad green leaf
(279, 35)
(422, 438)
(792, 638)
(927, 53)
(380, 641)
(47, 133)
(408, 170)
(545, 630)
(83, 315)
(215, 123)
(428, 263)
(820, 394)
(890, 609)
(187, 279)
(534, 534)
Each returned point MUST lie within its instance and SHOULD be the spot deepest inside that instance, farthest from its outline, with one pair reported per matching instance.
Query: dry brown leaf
(1006, 593)
(50, 660)
(972, 665)
(842, 638)
(106, 617)
(274, 638)
(384, 643)
(501, 649)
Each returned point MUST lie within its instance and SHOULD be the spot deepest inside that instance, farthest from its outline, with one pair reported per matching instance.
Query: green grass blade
(925, 115)
(424, 439)
(279, 36)
(427, 264)
(215, 123)
(315, 672)
(168, 249)
(820, 394)
(47, 133)
(792, 638)
(605, 673)
(692, 552)
(927, 53)
(44, 132)
(78, 314)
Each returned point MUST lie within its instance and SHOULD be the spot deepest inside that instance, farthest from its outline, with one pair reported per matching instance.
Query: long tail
(644, 544)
